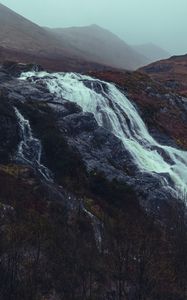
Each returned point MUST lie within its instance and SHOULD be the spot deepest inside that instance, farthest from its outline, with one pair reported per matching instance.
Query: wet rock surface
(9, 130)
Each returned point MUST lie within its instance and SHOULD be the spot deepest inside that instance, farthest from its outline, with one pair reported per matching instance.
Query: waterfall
(30, 148)
(114, 112)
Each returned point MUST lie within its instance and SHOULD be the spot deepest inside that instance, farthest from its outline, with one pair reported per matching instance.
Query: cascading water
(30, 149)
(97, 228)
(113, 111)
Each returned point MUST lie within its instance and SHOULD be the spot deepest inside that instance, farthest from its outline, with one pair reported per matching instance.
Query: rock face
(97, 199)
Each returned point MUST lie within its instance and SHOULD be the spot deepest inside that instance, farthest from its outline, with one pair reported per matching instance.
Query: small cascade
(114, 112)
(97, 228)
(30, 148)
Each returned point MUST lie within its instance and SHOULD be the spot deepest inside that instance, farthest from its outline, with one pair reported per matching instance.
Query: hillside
(171, 72)
(97, 44)
(72, 49)
(18, 33)
(24, 41)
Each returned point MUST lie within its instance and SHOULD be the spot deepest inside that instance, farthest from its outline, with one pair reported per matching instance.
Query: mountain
(19, 34)
(74, 49)
(97, 44)
(80, 189)
(152, 52)
(171, 72)
(23, 41)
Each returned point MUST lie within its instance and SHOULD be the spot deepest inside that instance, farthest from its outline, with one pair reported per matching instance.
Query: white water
(30, 149)
(115, 112)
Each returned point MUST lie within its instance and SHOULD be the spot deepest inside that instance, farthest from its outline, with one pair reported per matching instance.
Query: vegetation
(48, 250)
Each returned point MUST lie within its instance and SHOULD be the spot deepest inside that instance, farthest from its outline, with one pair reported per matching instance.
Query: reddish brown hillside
(172, 72)
(63, 64)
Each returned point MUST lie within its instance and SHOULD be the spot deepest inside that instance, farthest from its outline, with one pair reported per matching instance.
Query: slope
(23, 41)
(171, 72)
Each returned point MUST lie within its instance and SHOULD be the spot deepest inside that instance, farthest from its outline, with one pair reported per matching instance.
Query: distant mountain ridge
(100, 45)
(72, 49)
(66, 49)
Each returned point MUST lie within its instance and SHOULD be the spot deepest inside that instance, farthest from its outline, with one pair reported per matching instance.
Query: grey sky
(162, 22)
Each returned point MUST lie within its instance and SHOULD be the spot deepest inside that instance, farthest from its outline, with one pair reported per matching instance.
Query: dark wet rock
(96, 86)
(64, 108)
(19, 90)
(4, 76)
(15, 69)
(79, 123)
(9, 130)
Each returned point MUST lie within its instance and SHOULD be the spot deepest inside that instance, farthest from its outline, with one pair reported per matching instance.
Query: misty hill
(152, 52)
(24, 41)
(72, 49)
(100, 45)
(18, 33)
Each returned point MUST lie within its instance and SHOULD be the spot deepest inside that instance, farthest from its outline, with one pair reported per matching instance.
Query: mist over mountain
(18, 33)
(73, 47)
(137, 22)
(152, 52)
(100, 45)
(90, 44)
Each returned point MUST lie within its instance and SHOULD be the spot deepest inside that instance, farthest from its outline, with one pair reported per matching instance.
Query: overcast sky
(163, 22)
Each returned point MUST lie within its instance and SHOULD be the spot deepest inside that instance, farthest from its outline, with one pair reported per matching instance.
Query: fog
(162, 22)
